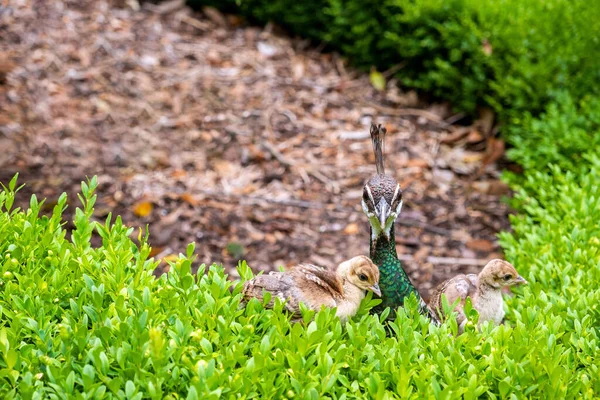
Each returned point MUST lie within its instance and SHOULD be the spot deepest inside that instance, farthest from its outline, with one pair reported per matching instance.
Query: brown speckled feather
(459, 287)
(306, 283)
(382, 186)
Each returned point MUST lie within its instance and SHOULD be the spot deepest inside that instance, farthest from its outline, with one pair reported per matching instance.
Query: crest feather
(378, 138)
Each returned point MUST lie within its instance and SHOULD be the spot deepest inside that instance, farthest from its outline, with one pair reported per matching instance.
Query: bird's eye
(507, 277)
(366, 196)
(362, 277)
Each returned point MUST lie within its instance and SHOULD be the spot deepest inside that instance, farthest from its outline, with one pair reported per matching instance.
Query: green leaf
(11, 358)
(13, 182)
(129, 389)
(206, 346)
(70, 382)
(192, 394)
(377, 80)
(4, 344)
(190, 250)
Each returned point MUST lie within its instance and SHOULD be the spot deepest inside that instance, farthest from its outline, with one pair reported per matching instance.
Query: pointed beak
(383, 211)
(521, 280)
(375, 289)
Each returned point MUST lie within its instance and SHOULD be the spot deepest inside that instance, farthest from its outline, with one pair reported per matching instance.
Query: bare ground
(250, 143)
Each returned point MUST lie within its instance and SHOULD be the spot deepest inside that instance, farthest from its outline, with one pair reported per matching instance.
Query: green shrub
(562, 135)
(85, 322)
(513, 55)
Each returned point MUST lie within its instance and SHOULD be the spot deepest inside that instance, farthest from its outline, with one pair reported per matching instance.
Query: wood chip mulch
(250, 143)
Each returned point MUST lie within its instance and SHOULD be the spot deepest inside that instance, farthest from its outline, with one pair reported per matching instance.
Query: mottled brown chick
(483, 289)
(315, 287)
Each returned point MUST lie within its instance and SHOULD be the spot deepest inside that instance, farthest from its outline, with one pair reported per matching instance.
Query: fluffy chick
(315, 287)
(483, 289)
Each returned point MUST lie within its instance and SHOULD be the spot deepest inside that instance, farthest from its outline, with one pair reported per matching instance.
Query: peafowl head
(382, 196)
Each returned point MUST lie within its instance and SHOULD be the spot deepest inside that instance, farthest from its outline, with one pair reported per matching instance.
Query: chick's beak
(521, 280)
(383, 211)
(375, 289)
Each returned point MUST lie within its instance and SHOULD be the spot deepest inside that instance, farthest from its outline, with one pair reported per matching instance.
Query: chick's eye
(362, 277)
(507, 277)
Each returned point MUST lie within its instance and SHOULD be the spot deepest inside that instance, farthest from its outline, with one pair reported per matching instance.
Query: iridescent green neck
(394, 282)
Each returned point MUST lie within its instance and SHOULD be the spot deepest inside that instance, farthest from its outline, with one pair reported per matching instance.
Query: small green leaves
(13, 183)
(88, 375)
(97, 321)
(189, 252)
(7, 195)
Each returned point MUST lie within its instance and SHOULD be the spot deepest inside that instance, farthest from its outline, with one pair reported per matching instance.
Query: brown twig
(200, 25)
(276, 153)
(460, 261)
(419, 224)
(166, 7)
(394, 69)
(403, 112)
(446, 260)
(302, 171)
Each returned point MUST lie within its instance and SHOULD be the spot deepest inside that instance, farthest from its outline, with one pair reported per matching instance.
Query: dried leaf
(6, 66)
(422, 253)
(156, 250)
(223, 167)
(179, 173)
(474, 137)
(215, 16)
(472, 157)
(458, 159)
(455, 136)
(297, 68)
(169, 6)
(417, 162)
(170, 257)
(172, 217)
(188, 198)
(494, 151)
(266, 49)
(351, 229)
(493, 187)
(480, 245)
(270, 238)
(486, 120)
(235, 20)
(143, 208)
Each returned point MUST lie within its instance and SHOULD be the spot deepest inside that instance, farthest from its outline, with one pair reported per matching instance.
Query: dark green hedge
(513, 55)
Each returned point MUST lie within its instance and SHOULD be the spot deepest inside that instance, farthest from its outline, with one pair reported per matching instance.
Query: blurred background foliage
(510, 55)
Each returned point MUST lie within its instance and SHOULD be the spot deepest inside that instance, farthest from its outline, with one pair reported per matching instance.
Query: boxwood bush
(562, 135)
(79, 321)
(512, 55)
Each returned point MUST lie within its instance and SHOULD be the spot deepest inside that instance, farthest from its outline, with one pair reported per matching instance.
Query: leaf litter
(251, 144)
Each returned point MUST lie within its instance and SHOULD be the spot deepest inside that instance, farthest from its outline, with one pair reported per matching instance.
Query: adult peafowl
(382, 202)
